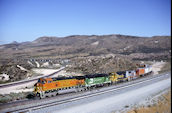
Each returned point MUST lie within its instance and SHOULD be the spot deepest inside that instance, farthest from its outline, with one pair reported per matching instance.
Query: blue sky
(26, 20)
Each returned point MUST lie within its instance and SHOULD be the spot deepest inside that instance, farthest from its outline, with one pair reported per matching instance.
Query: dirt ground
(162, 106)
(157, 66)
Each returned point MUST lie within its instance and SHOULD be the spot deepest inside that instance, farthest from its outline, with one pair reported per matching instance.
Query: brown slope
(91, 45)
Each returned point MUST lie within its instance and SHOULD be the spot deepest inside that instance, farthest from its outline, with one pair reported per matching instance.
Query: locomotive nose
(35, 84)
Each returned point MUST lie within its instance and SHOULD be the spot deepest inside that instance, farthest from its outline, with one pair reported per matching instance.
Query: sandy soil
(4, 77)
(162, 104)
(64, 73)
(44, 71)
(156, 66)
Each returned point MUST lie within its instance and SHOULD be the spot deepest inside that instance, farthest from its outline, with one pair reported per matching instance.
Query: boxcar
(97, 80)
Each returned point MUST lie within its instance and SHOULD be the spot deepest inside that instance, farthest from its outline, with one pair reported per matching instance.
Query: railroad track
(26, 81)
(75, 98)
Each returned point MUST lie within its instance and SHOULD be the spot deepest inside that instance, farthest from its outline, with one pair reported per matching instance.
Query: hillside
(86, 54)
(83, 45)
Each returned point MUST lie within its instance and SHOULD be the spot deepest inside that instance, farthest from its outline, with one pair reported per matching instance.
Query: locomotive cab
(40, 85)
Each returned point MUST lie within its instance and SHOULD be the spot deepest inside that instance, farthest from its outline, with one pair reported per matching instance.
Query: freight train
(51, 86)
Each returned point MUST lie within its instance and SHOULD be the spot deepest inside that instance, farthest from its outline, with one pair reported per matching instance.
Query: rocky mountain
(83, 45)
(101, 64)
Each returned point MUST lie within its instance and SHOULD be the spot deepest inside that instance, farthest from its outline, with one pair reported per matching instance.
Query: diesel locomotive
(51, 86)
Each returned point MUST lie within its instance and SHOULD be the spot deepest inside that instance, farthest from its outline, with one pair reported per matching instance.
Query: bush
(15, 96)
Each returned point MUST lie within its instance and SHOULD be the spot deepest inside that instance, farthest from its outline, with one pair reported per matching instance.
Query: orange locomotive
(53, 85)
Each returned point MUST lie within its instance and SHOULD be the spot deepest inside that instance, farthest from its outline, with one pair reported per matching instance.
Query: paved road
(102, 100)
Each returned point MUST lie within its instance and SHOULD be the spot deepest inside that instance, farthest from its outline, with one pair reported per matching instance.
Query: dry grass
(14, 96)
(162, 106)
(101, 64)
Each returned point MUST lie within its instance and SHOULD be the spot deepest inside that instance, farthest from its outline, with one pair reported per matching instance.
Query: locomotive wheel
(42, 95)
(38, 94)
(54, 94)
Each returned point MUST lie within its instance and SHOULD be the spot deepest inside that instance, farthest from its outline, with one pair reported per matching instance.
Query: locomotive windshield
(121, 73)
(39, 81)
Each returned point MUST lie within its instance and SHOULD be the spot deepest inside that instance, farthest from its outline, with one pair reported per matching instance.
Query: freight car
(144, 70)
(148, 69)
(133, 74)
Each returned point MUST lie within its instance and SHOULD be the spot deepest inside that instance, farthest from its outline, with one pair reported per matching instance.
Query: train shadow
(30, 96)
